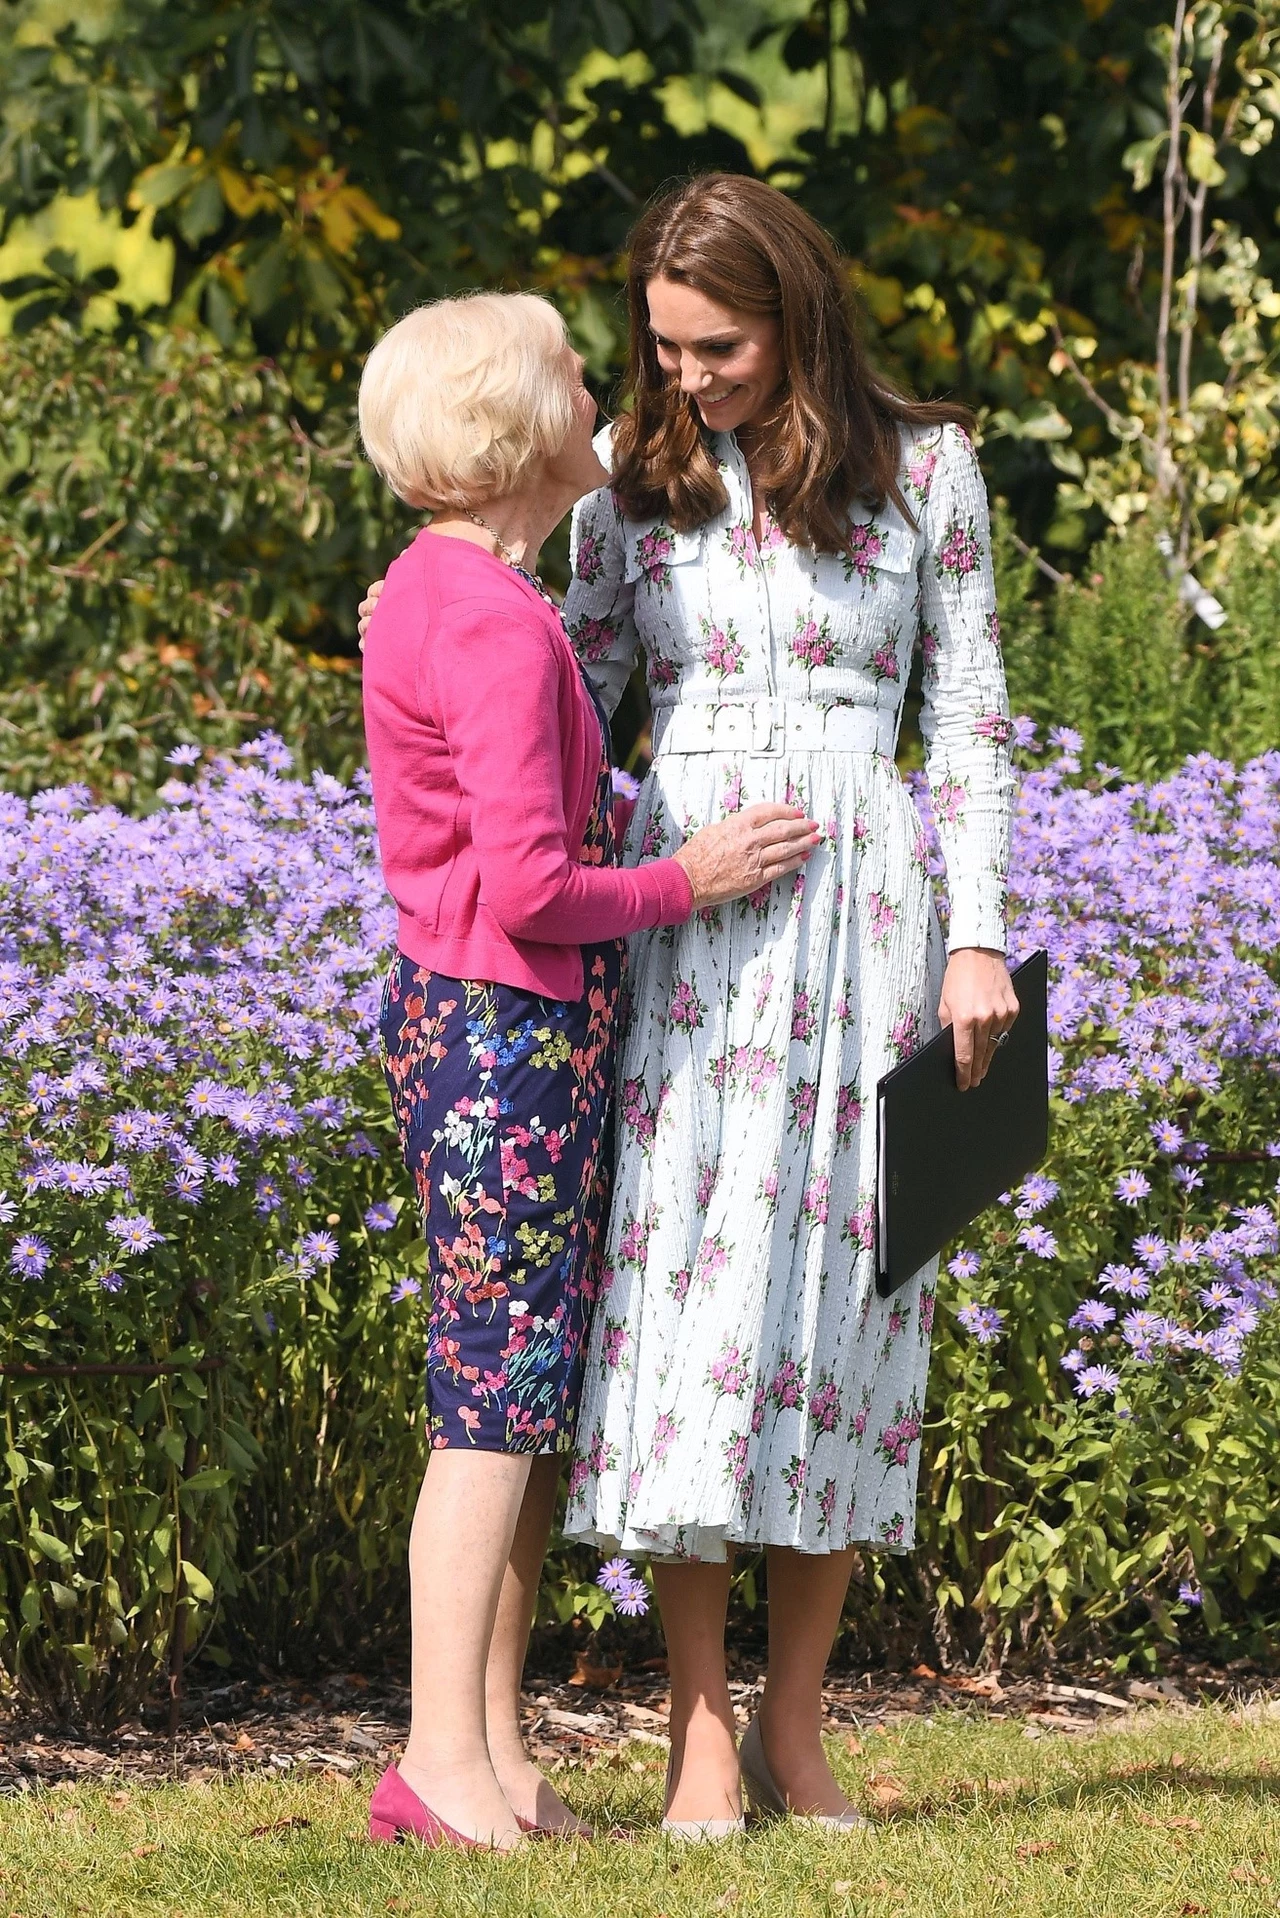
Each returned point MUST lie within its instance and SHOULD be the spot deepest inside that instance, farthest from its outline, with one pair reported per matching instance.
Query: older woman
(491, 784)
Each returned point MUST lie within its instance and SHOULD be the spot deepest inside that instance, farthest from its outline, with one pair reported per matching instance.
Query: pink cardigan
(484, 751)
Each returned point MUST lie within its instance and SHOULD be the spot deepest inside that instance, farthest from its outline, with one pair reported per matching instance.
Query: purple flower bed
(197, 1170)
(1125, 1292)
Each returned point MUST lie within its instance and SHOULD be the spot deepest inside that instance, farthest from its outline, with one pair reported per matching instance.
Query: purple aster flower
(1125, 1280)
(1073, 1361)
(1035, 1193)
(8, 1210)
(1132, 1186)
(184, 756)
(381, 1216)
(1152, 1251)
(1024, 733)
(134, 1231)
(985, 1322)
(1188, 1178)
(1093, 1379)
(1092, 1316)
(615, 1574)
(405, 1289)
(625, 785)
(322, 1247)
(965, 1265)
(205, 1098)
(30, 1255)
(1039, 1241)
(225, 1169)
(633, 1602)
(268, 1198)
(111, 1281)
(1066, 739)
(1190, 1594)
(1168, 1137)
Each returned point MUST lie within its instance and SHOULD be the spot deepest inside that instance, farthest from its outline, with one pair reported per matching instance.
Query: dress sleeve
(965, 716)
(599, 607)
(496, 694)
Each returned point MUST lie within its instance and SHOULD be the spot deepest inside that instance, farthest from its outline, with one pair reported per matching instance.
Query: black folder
(943, 1154)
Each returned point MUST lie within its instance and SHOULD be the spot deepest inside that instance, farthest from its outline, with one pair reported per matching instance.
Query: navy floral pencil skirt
(503, 1102)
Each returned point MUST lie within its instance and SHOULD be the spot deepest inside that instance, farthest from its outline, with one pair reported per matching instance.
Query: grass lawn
(1173, 1813)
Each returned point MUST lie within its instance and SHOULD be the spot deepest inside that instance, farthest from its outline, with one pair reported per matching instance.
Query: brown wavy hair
(833, 434)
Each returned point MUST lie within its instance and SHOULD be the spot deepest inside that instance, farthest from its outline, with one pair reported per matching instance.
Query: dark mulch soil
(342, 1724)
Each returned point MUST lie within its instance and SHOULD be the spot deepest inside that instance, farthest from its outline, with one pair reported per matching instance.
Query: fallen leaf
(853, 1744)
(1007, 1787)
(145, 1851)
(1177, 1761)
(842, 1887)
(1189, 1906)
(923, 1671)
(881, 1884)
(1168, 1824)
(1245, 1875)
(988, 1686)
(244, 1743)
(886, 1792)
(118, 1800)
(597, 1678)
(281, 1824)
(1036, 1848)
(727, 1898)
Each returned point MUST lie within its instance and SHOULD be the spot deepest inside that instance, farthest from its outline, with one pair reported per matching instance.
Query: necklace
(505, 554)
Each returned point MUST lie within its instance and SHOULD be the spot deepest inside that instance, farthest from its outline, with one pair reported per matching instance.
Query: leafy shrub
(201, 1232)
(179, 561)
(1117, 655)
(1105, 1395)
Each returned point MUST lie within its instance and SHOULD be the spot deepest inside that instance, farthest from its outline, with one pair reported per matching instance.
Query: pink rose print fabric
(744, 1382)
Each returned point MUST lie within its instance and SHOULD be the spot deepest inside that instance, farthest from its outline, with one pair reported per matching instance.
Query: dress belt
(774, 727)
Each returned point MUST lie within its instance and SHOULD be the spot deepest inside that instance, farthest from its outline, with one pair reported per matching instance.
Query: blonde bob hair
(461, 395)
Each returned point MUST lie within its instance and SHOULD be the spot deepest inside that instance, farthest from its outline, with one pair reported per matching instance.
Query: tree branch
(1174, 178)
(1029, 552)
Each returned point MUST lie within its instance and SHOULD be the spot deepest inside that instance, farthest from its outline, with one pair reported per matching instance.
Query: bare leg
(463, 1529)
(528, 1793)
(806, 1595)
(703, 1781)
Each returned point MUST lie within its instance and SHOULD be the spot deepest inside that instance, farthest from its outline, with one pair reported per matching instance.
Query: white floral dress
(744, 1382)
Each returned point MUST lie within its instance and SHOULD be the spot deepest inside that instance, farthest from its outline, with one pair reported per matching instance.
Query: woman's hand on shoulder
(978, 999)
(367, 606)
(745, 852)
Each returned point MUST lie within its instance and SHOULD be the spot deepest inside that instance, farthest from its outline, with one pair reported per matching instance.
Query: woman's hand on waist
(750, 850)
(978, 999)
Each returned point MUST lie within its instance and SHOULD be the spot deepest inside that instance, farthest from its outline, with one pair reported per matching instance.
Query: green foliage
(1121, 667)
(179, 560)
(1248, 647)
(315, 163)
(1117, 655)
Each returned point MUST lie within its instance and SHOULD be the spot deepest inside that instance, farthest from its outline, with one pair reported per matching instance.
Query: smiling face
(728, 361)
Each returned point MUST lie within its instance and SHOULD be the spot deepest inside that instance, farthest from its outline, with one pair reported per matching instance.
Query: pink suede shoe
(396, 1811)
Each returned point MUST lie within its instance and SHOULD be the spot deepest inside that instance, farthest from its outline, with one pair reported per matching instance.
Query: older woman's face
(729, 362)
(577, 465)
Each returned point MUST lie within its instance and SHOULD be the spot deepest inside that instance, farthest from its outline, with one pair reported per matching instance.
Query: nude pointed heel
(767, 1801)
